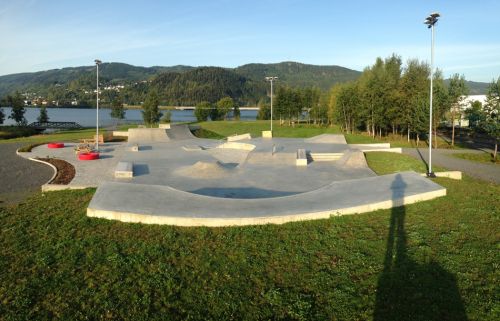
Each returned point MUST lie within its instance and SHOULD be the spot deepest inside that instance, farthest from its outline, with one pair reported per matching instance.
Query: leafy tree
(2, 116)
(492, 114)
(457, 91)
(224, 106)
(117, 110)
(440, 101)
(150, 111)
(264, 110)
(43, 117)
(236, 112)
(18, 109)
(475, 115)
(202, 111)
(166, 117)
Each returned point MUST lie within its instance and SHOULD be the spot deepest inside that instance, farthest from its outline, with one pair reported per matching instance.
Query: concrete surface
(180, 179)
(153, 204)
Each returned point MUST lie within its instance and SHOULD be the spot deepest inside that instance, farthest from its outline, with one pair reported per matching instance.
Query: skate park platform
(182, 180)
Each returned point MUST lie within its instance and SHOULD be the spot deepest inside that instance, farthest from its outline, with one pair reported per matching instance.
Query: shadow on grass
(410, 290)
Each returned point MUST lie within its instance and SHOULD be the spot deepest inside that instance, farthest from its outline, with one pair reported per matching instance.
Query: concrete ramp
(179, 132)
(147, 135)
(327, 139)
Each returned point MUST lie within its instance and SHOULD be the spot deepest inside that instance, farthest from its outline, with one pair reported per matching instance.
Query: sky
(39, 35)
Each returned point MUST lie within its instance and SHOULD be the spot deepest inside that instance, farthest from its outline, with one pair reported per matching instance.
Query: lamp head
(97, 62)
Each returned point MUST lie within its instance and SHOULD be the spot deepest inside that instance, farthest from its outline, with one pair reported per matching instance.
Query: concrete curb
(449, 174)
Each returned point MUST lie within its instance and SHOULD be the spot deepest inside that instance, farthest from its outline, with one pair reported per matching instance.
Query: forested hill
(295, 74)
(184, 85)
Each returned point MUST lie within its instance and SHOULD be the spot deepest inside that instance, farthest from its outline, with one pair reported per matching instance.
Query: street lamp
(97, 63)
(271, 79)
(430, 21)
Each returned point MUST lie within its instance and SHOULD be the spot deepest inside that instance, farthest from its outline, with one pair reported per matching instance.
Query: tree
(117, 110)
(202, 111)
(264, 110)
(440, 103)
(43, 117)
(17, 104)
(2, 116)
(492, 114)
(166, 117)
(457, 91)
(150, 111)
(224, 106)
(475, 115)
(236, 112)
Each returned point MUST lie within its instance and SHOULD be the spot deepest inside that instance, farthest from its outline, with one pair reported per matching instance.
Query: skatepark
(169, 176)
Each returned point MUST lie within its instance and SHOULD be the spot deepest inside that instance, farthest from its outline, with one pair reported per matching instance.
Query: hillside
(295, 74)
(176, 84)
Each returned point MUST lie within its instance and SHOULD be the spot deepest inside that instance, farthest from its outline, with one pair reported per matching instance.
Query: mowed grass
(386, 163)
(255, 128)
(486, 158)
(435, 260)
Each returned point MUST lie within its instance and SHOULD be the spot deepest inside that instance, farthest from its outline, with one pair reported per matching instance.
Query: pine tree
(491, 111)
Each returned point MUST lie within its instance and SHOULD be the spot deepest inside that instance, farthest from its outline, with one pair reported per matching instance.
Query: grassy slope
(486, 158)
(436, 260)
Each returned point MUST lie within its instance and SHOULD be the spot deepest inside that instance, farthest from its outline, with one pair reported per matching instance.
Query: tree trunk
(408, 133)
(495, 151)
(418, 140)
(453, 127)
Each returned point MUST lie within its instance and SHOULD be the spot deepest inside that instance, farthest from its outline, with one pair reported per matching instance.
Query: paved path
(19, 177)
(443, 158)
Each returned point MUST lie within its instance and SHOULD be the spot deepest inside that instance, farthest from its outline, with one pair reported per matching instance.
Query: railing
(55, 124)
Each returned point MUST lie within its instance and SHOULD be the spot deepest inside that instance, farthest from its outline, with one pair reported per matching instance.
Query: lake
(87, 117)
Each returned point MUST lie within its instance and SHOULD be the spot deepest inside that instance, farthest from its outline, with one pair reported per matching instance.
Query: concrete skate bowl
(159, 135)
(155, 204)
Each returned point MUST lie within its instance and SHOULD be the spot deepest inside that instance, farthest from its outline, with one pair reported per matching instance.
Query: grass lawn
(436, 260)
(482, 157)
(383, 163)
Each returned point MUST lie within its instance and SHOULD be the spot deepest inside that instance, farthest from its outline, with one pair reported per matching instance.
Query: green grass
(435, 260)
(386, 163)
(255, 128)
(486, 158)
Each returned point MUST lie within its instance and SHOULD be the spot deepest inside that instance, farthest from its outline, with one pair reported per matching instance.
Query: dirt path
(19, 177)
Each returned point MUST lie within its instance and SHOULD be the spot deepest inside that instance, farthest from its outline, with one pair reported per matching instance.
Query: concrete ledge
(124, 170)
(154, 204)
(377, 145)
(397, 150)
(301, 158)
(164, 126)
(450, 174)
(60, 187)
(234, 145)
(267, 134)
(120, 133)
(326, 157)
(239, 137)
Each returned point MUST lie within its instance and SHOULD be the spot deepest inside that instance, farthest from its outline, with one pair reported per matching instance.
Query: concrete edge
(397, 150)
(60, 187)
(374, 145)
(120, 133)
(217, 222)
(449, 174)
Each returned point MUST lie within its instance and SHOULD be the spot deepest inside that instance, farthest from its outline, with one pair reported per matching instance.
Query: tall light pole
(97, 63)
(430, 21)
(271, 79)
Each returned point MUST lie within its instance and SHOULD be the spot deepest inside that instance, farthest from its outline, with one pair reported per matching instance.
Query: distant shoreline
(128, 107)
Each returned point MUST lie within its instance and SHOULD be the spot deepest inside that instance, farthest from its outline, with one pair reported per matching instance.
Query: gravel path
(442, 157)
(19, 177)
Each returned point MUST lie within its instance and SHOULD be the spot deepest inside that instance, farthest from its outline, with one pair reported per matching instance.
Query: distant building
(465, 103)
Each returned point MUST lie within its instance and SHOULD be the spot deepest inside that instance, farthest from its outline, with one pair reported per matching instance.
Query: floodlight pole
(271, 79)
(97, 63)
(431, 20)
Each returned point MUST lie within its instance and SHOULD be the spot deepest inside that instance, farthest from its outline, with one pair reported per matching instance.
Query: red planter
(55, 145)
(88, 156)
